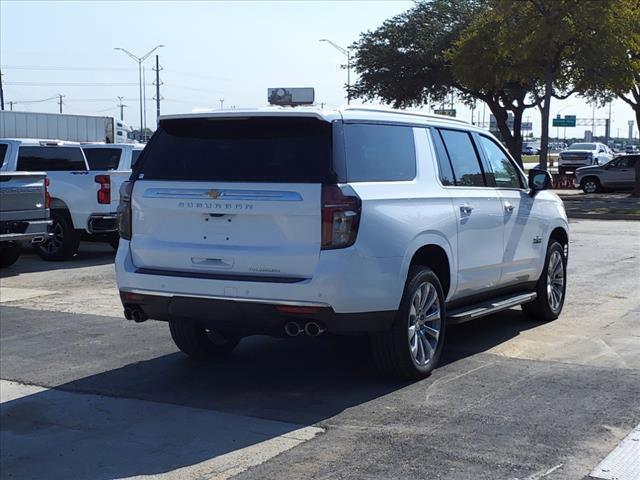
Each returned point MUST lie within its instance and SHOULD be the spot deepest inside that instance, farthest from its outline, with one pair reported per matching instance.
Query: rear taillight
(47, 197)
(104, 194)
(124, 211)
(340, 218)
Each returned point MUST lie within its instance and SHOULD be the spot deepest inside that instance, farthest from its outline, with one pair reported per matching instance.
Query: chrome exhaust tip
(313, 329)
(36, 240)
(292, 329)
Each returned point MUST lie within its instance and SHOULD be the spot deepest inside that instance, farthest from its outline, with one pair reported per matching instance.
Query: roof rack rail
(365, 108)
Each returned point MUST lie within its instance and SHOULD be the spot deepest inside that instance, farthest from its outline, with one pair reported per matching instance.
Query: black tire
(114, 241)
(200, 343)
(9, 253)
(392, 350)
(65, 241)
(542, 308)
(591, 185)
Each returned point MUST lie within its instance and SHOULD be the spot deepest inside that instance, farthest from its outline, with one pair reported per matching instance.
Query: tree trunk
(513, 141)
(545, 108)
(517, 135)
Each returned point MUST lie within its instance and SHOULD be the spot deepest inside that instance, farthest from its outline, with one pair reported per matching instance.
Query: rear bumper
(14, 231)
(102, 223)
(251, 317)
(344, 280)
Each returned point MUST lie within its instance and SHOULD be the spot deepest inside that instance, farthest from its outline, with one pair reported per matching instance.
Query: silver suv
(618, 174)
(303, 221)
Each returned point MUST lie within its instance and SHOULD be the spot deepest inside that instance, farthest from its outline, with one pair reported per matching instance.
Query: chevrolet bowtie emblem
(214, 193)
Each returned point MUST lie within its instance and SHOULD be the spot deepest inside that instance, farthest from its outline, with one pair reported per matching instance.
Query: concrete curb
(602, 216)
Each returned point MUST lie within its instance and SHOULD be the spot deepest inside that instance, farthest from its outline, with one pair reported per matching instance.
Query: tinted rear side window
(464, 160)
(3, 153)
(135, 155)
(269, 149)
(444, 165)
(37, 159)
(102, 158)
(379, 153)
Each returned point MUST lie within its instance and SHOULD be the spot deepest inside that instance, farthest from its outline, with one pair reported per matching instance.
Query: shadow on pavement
(283, 384)
(90, 254)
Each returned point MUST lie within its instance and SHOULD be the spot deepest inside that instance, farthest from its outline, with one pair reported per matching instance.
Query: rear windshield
(102, 158)
(269, 149)
(583, 146)
(38, 159)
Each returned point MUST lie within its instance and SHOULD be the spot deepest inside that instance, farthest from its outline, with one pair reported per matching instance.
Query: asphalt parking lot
(88, 395)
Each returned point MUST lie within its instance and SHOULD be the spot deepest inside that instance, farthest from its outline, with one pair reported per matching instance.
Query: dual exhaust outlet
(311, 329)
(136, 314)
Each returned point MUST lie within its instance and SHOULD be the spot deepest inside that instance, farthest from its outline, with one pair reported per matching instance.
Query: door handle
(508, 207)
(466, 209)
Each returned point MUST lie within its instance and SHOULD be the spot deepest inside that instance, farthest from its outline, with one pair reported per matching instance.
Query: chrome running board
(478, 310)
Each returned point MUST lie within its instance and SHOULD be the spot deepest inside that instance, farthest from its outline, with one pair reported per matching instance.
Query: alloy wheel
(590, 186)
(55, 241)
(555, 281)
(425, 323)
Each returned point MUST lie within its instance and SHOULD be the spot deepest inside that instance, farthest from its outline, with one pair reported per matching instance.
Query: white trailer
(59, 126)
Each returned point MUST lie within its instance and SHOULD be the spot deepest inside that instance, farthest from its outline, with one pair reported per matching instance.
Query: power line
(63, 68)
(16, 102)
(71, 84)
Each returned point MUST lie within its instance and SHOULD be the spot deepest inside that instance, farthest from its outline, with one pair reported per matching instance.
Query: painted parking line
(623, 463)
(48, 433)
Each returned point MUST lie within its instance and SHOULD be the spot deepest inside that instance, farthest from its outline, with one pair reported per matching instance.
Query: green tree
(616, 73)
(408, 62)
(536, 46)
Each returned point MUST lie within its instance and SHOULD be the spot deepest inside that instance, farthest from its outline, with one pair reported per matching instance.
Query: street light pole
(346, 53)
(139, 60)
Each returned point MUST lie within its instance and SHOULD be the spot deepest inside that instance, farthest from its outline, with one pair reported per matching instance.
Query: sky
(230, 51)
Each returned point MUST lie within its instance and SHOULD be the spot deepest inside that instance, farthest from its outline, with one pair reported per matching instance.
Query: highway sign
(567, 121)
(449, 112)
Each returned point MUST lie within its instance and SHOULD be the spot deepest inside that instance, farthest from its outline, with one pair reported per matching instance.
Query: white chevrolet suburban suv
(302, 221)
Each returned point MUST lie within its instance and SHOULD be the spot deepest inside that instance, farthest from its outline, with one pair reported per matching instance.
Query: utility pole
(60, 97)
(139, 61)
(121, 107)
(157, 83)
(346, 53)
(1, 93)
(144, 106)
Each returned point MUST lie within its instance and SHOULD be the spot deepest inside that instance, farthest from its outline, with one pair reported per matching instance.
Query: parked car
(582, 154)
(631, 149)
(24, 211)
(303, 221)
(618, 174)
(82, 204)
(530, 149)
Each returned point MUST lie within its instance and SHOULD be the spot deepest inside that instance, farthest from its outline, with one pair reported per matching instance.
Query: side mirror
(539, 180)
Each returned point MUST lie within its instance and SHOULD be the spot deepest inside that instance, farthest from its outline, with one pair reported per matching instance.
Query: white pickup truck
(82, 204)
